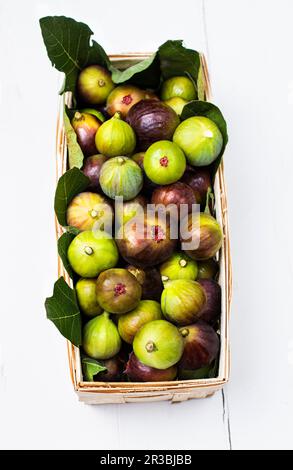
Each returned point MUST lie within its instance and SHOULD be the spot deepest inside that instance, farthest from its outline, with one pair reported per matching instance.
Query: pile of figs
(150, 301)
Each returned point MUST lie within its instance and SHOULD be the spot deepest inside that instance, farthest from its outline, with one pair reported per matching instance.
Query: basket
(175, 391)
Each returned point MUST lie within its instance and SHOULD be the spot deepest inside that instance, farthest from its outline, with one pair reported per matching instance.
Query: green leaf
(175, 59)
(137, 73)
(91, 367)
(63, 245)
(209, 110)
(75, 155)
(69, 185)
(69, 49)
(62, 309)
(201, 84)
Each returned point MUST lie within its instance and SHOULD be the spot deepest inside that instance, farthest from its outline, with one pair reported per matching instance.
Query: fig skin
(131, 322)
(207, 269)
(182, 301)
(121, 176)
(88, 210)
(115, 137)
(87, 298)
(212, 309)
(101, 339)
(177, 193)
(148, 185)
(177, 104)
(201, 345)
(130, 209)
(89, 253)
(152, 120)
(150, 281)
(158, 344)
(136, 371)
(114, 372)
(164, 162)
(199, 180)
(118, 291)
(179, 86)
(146, 242)
(122, 98)
(86, 126)
(209, 234)
(94, 84)
(92, 168)
(179, 266)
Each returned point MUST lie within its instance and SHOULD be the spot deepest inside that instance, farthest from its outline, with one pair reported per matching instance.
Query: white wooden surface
(249, 50)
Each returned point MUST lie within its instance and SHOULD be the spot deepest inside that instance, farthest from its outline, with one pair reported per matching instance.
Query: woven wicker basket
(175, 391)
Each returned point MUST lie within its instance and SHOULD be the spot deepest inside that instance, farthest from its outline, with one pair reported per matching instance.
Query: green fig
(131, 322)
(101, 339)
(115, 137)
(87, 298)
(179, 266)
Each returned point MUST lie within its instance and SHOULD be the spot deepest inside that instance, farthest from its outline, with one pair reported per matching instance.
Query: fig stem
(101, 82)
(183, 263)
(77, 115)
(88, 250)
(150, 346)
(184, 332)
(117, 115)
(94, 213)
(120, 160)
(165, 278)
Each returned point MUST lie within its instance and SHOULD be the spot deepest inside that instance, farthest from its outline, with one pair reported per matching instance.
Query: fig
(148, 184)
(136, 371)
(164, 162)
(89, 253)
(179, 266)
(176, 194)
(201, 345)
(95, 112)
(150, 95)
(92, 168)
(209, 234)
(115, 137)
(146, 242)
(181, 87)
(94, 84)
(158, 344)
(87, 298)
(121, 176)
(200, 139)
(201, 373)
(118, 291)
(131, 322)
(207, 269)
(130, 209)
(89, 211)
(182, 301)
(212, 308)
(122, 98)
(114, 372)
(150, 281)
(152, 121)
(199, 180)
(101, 339)
(177, 104)
(86, 126)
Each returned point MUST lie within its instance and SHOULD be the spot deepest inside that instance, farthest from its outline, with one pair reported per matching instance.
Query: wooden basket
(175, 391)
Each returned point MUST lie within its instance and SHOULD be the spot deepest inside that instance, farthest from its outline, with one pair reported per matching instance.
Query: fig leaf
(91, 367)
(63, 244)
(69, 185)
(62, 309)
(201, 84)
(175, 59)
(209, 110)
(132, 72)
(69, 47)
(75, 155)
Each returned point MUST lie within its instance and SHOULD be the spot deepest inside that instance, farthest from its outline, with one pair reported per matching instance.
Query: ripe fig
(182, 301)
(209, 234)
(181, 87)
(179, 266)
(158, 344)
(212, 308)
(201, 345)
(146, 242)
(89, 253)
(87, 298)
(130, 209)
(114, 372)
(115, 137)
(152, 121)
(148, 185)
(90, 211)
(122, 98)
(207, 269)
(121, 176)
(199, 180)
(118, 291)
(164, 162)
(86, 126)
(92, 168)
(200, 139)
(101, 339)
(177, 193)
(177, 104)
(136, 371)
(94, 84)
(150, 281)
(131, 322)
